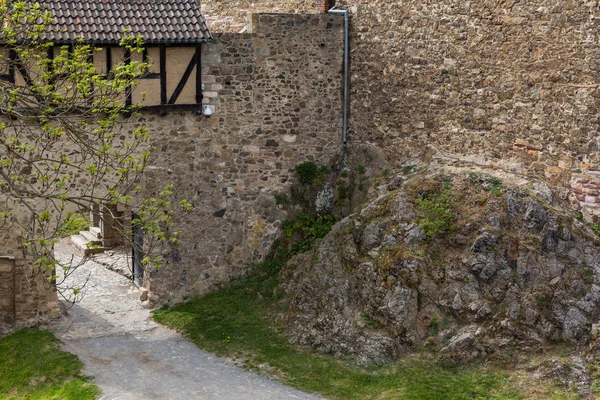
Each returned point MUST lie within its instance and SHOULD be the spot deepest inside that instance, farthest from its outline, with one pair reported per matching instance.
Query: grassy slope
(235, 321)
(32, 366)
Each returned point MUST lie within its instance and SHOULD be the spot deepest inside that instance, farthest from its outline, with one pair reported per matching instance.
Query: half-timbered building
(173, 32)
(275, 93)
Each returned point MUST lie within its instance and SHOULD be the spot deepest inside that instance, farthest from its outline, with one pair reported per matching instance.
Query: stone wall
(26, 297)
(276, 96)
(236, 16)
(488, 80)
(504, 84)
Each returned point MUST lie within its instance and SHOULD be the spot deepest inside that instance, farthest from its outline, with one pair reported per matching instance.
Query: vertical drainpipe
(346, 72)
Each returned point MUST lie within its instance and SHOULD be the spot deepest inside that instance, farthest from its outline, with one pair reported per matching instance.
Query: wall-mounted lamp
(207, 111)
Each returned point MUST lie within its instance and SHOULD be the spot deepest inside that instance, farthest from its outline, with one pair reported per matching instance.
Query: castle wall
(492, 81)
(509, 85)
(276, 96)
(26, 297)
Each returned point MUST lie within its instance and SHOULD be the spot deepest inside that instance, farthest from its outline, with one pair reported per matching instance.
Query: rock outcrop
(508, 270)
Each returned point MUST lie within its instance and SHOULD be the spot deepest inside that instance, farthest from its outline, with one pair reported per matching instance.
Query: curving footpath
(132, 357)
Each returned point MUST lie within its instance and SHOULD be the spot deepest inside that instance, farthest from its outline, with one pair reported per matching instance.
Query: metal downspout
(346, 72)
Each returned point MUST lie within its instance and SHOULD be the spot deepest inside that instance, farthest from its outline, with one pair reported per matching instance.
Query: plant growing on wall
(63, 141)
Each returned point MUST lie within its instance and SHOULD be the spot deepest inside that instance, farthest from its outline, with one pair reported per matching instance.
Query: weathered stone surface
(505, 286)
(474, 80)
(272, 111)
(27, 297)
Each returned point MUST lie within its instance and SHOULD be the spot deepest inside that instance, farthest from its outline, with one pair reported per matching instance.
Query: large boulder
(511, 271)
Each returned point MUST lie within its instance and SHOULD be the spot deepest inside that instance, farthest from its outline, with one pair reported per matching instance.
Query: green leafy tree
(65, 143)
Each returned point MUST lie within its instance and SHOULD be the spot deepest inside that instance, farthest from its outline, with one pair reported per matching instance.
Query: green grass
(32, 366)
(236, 321)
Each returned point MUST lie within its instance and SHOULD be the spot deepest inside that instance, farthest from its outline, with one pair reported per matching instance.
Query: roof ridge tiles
(161, 21)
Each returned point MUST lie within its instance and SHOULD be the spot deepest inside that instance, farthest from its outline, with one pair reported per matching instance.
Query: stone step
(84, 244)
(91, 236)
(96, 231)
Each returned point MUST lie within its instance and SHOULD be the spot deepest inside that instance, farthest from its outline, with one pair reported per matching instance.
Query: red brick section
(326, 5)
(586, 187)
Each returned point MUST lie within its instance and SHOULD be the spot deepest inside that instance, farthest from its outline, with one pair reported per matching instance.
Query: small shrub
(282, 199)
(307, 172)
(434, 324)
(73, 223)
(494, 185)
(306, 229)
(595, 388)
(361, 169)
(385, 173)
(596, 229)
(299, 195)
(311, 224)
(342, 191)
(436, 214)
(494, 182)
(541, 302)
(369, 323)
(408, 169)
(277, 260)
(588, 275)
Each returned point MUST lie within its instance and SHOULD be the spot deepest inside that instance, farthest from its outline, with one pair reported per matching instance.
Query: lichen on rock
(512, 271)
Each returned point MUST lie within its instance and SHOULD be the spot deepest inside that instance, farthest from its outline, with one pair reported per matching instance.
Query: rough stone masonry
(276, 95)
(510, 84)
(506, 84)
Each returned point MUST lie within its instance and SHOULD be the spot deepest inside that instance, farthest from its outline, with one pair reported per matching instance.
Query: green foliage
(306, 228)
(342, 190)
(309, 225)
(236, 322)
(368, 321)
(595, 228)
(434, 325)
(588, 275)
(409, 169)
(277, 260)
(491, 183)
(309, 173)
(361, 169)
(282, 199)
(385, 173)
(595, 388)
(63, 144)
(72, 224)
(300, 195)
(494, 184)
(541, 302)
(303, 193)
(32, 366)
(436, 214)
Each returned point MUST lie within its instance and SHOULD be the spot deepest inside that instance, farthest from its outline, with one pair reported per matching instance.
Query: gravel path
(132, 357)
